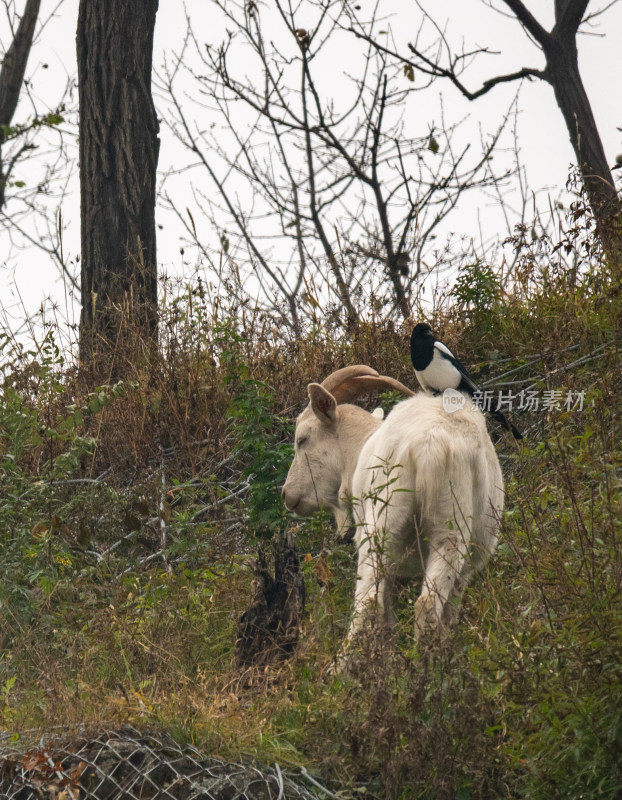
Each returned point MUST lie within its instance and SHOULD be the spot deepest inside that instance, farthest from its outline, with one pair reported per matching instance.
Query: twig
(511, 372)
(312, 780)
(279, 777)
(243, 488)
(163, 531)
(532, 381)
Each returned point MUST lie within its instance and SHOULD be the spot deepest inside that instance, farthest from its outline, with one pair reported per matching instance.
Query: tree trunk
(267, 631)
(12, 75)
(562, 73)
(119, 147)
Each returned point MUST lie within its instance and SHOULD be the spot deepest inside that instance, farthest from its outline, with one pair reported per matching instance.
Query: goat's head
(329, 437)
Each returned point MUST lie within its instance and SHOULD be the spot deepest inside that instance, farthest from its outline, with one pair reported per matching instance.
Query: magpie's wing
(468, 380)
(446, 353)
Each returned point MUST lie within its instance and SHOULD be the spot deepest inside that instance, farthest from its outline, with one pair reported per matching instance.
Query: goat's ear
(323, 404)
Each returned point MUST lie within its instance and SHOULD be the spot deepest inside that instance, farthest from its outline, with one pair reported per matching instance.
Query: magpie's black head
(421, 345)
(421, 330)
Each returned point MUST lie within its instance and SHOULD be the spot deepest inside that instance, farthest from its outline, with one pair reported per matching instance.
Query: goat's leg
(345, 527)
(452, 606)
(381, 538)
(379, 519)
(482, 546)
(447, 525)
(471, 563)
(372, 592)
(442, 578)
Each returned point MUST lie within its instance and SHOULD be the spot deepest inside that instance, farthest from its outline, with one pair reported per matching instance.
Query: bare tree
(119, 147)
(559, 47)
(311, 186)
(24, 216)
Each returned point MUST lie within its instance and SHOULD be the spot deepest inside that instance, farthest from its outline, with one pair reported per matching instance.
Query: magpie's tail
(503, 420)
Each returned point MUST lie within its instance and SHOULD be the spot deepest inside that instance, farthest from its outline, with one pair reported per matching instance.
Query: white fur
(424, 489)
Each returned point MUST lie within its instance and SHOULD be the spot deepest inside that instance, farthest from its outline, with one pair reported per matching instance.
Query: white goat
(423, 487)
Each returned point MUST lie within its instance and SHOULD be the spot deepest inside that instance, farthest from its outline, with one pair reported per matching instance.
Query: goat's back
(433, 466)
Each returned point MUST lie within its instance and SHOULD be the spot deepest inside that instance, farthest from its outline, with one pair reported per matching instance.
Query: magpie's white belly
(439, 375)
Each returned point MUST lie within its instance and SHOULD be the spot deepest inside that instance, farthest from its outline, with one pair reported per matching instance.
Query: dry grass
(102, 626)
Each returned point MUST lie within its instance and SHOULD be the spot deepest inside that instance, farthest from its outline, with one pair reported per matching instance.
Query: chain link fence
(130, 765)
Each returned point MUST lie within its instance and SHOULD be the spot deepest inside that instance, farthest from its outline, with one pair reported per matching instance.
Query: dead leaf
(323, 572)
(39, 529)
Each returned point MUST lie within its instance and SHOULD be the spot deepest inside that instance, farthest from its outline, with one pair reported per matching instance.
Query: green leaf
(53, 119)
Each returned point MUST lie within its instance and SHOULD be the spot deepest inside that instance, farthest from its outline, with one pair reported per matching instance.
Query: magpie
(437, 369)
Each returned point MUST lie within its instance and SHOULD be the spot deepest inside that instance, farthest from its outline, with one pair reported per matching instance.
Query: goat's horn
(335, 379)
(381, 384)
(340, 382)
(351, 382)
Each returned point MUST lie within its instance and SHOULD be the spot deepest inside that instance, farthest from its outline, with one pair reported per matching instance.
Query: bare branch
(435, 70)
(336, 197)
(529, 22)
(450, 74)
(342, 288)
(568, 16)
(599, 11)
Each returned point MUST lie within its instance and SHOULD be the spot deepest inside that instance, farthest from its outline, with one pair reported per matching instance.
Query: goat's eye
(301, 441)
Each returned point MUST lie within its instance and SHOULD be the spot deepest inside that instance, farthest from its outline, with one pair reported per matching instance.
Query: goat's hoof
(426, 618)
(346, 657)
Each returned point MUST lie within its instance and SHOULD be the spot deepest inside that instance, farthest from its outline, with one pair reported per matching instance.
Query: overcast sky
(28, 277)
